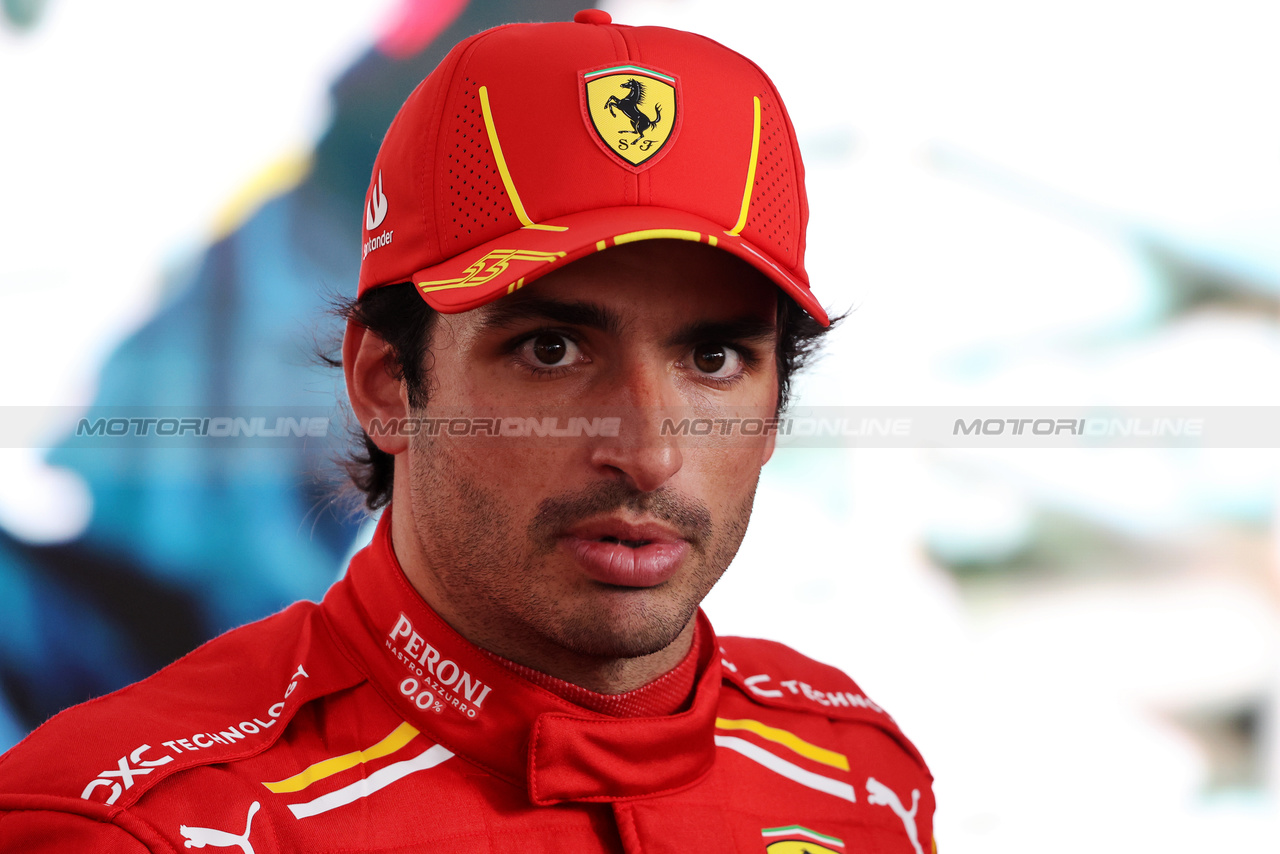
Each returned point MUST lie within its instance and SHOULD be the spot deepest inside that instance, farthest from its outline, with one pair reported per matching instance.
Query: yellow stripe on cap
(788, 740)
(504, 172)
(751, 171)
(398, 738)
(657, 234)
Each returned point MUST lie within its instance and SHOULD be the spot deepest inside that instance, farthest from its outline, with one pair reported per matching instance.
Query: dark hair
(400, 317)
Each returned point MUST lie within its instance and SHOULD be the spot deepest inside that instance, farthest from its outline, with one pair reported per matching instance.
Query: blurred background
(1052, 204)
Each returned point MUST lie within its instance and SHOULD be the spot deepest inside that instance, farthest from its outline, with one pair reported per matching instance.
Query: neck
(601, 675)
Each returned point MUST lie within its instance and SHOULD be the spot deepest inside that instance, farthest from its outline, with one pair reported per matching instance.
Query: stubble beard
(493, 569)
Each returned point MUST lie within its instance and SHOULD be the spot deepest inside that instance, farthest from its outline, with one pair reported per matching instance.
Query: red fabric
(438, 211)
(663, 696)
(31, 831)
(314, 730)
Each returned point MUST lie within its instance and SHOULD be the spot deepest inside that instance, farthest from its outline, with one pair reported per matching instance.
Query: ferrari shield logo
(634, 111)
(797, 839)
(797, 846)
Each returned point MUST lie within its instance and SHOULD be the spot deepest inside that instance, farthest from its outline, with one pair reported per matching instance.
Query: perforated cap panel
(471, 191)
(772, 218)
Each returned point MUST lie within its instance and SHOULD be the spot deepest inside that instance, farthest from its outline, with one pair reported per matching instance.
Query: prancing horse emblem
(633, 111)
(630, 105)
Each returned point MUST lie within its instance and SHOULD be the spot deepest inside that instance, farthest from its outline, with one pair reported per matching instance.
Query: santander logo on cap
(375, 211)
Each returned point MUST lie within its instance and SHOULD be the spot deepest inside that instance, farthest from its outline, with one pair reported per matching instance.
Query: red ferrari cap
(533, 145)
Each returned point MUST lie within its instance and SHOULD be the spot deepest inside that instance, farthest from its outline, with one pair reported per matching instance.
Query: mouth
(632, 544)
(625, 554)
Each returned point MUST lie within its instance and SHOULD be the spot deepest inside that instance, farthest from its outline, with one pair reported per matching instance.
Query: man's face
(600, 547)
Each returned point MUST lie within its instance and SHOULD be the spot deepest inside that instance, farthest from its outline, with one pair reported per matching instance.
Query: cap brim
(504, 265)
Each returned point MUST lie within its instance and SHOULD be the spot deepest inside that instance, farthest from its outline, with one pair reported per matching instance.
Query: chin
(627, 635)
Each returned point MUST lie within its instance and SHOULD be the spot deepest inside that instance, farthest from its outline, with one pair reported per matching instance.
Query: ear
(376, 394)
(771, 436)
(770, 442)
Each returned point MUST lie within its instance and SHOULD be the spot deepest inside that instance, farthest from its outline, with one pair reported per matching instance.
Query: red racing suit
(365, 723)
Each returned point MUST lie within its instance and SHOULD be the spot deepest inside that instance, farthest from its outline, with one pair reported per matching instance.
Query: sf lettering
(642, 144)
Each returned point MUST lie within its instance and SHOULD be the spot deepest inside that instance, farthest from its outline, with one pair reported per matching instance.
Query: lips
(626, 554)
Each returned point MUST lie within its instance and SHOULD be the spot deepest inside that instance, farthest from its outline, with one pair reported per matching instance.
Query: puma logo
(199, 837)
(878, 794)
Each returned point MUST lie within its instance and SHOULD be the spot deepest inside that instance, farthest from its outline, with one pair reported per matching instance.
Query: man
(578, 237)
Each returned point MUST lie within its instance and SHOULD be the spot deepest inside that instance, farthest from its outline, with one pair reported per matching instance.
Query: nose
(641, 453)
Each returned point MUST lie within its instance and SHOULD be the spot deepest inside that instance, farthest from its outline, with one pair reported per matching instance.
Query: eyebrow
(517, 308)
(745, 328)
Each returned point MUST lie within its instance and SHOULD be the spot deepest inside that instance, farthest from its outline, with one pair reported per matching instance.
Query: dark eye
(709, 358)
(549, 348)
(716, 360)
